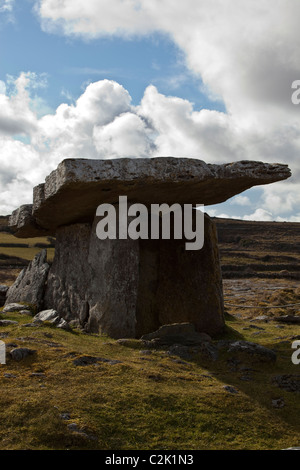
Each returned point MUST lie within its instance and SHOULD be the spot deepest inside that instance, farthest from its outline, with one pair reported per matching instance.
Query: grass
(154, 401)
(150, 401)
(26, 253)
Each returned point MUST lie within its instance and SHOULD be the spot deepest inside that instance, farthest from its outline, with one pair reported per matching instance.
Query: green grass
(151, 403)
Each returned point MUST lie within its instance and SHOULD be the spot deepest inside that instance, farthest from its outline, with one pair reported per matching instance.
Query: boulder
(177, 333)
(30, 284)
(50, 316)
(18, 354)
(13, 307)
(8, 322)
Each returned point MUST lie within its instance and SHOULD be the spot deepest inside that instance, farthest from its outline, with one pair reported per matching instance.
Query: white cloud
(16, 116)
(241, 200)
(126, 136)
(6, 5)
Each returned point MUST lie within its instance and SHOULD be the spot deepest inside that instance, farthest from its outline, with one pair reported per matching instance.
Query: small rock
(65, 416)
(146, 352)
(230, 389)
(288, 319)
(109, 361)
(25, 312)
(88, 360)
(246, 378)
(256, 327)
(278, 403)
(264, 318)
(177, 333)
(73, 427)
(32, 325)
(292, 448)
(8, 322)
(9, 376)
(289, 382)
(156, 378)
(64, 325)
(256, 351)
(14, 307)
(51, 316)
(85, 361)
(37, 374)
(18, 354)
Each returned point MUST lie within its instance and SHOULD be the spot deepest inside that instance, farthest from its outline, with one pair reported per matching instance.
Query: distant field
(13, 258)
(259, 249)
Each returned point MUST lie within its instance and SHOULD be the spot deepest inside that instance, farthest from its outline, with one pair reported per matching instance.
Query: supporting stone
(29, 286)
(126, 288)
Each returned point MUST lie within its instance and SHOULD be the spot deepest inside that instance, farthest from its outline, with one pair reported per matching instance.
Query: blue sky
(69, 64)
(100, 79)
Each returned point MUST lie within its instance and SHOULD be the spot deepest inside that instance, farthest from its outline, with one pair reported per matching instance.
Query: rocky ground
(64, 389)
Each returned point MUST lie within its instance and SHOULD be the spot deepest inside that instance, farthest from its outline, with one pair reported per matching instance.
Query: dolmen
(130, 286)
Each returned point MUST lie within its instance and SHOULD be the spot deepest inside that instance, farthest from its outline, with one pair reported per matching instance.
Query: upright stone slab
(94, 280)
(126, 288)
(30, 284)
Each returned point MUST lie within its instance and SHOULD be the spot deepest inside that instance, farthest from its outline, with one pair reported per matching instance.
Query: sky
(205, 79)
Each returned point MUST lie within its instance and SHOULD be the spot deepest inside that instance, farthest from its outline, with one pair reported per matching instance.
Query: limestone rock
(73, 191)
(230, 389)
(253, 351)
(30, 284)
(21, 353)
(63, 325)
(22, 221)
(125, 288)
(288, 319)
(50, 315)
(8, 322)
(13, 307)
(289, 382)
(177, 333)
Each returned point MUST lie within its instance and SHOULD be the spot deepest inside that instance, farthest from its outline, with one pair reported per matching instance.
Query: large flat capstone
(72, 192)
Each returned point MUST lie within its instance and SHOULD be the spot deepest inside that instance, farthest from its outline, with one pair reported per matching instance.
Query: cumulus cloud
(16, 116)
